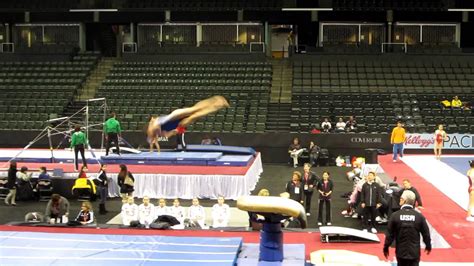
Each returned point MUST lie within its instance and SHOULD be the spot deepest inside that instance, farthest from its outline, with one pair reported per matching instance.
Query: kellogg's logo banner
(426, 141)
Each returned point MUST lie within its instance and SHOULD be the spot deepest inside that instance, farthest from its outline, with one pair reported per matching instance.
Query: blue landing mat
(179, 158)
(163, 158)
(223, 149)
(459, 164)
(232, 160)
(31, 248)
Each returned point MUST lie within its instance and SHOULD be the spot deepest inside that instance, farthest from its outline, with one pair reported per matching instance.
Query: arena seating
(209, 5)
(137, 89)
(32, 92)
(381, 90)
(357, 48)
(158, 4)
(191, 48)
(377, 5)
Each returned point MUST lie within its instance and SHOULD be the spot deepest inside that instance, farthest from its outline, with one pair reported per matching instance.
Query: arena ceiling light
(461, 9)
(307, 9)
(94, 10)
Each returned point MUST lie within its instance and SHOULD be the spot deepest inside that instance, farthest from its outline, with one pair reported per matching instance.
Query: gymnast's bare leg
(154, 143)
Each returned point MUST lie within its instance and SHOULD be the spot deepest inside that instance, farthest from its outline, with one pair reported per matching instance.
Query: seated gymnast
(177, 121)
(146, 212)
(129, 212)
(177, 211)
(85, 216)
(196, 213)
(161, 208)
(220, 213)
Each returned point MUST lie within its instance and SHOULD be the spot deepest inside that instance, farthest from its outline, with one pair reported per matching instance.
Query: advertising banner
(426, 141)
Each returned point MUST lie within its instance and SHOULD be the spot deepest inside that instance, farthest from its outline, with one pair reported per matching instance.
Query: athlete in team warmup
(176, 121)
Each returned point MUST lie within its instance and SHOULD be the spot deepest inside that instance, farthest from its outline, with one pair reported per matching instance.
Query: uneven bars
(96, 99)
(58, 119)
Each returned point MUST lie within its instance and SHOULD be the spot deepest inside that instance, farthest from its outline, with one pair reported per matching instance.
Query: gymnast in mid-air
(177, 121)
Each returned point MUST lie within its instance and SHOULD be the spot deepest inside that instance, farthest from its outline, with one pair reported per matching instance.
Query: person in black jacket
(126, 183)
(103, 188)
(309, 183)
(295, 187)
(11, 184)
(405, 227)
(407, 186)
(313, 153)
(325, 188)
(370, 201)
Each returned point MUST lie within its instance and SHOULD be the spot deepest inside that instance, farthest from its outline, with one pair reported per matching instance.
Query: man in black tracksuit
(407, 186)
(370, 201)
(405, 227)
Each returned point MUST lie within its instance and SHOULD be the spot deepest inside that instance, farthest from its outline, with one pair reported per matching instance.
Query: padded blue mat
(166, 156)
(154, 158)
(223, 149)
(232, 160)
(31, 248)
(179, 158)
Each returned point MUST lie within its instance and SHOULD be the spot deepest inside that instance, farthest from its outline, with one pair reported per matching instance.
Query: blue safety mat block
(223, 149)
(460, 164)
(166, 156)
(26, 160)
(232, 160)
(46, 160)
(293, 255)
(163, 158)
(32, 248)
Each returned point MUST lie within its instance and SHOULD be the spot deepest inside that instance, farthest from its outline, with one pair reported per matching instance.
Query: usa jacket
(405, 227)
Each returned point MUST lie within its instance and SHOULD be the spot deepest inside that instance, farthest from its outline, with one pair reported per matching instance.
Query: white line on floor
(118, 242)
(106, 259)
(117, 250)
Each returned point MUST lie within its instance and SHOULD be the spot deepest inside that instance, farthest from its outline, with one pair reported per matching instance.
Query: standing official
(325, 188)
(397, 139)
(370, 201)
(309, 183)
(103, 181)
(405, 227)
(295, 188)
(79, 143)
(112, 132)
